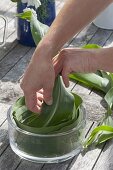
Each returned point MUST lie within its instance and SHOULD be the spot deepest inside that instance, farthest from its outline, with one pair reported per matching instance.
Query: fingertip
(67, 84)
(65, 80)
(49, 102)
(48, 96)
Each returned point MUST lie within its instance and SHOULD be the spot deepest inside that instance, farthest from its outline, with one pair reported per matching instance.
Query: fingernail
(50, 102)
(67, 85)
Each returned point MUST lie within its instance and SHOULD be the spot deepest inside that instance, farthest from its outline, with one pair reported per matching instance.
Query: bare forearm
(74, 16)
(104, 59)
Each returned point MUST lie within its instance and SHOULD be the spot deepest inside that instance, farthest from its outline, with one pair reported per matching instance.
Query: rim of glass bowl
(13, 124)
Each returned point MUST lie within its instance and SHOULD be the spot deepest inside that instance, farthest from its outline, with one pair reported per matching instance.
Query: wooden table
(13, 59)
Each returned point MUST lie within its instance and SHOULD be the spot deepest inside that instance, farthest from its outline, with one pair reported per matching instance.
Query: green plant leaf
(62, 114)
(108, 76)
(20, 102)
(59, 128)
(38, 29)
(91, 46)
(109, 98)
(91, 80)
(25, 15)
(101, 133)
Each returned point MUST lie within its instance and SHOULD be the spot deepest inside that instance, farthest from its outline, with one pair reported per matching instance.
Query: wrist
(46, 48)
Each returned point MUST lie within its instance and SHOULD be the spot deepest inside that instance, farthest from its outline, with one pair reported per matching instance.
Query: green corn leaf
(25, 15)
(109, 97)
(91, 80)
(59, 128)
(104, 138)
(101, 133)
(91, 46)
(20, 102)
(108, 76)
(38, 29)
(107, 120)
(63, 114)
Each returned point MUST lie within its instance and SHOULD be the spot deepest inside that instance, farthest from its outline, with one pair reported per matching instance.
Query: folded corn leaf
(62, 115)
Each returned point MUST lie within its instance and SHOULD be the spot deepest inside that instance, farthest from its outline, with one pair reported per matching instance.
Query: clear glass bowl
(51, 148)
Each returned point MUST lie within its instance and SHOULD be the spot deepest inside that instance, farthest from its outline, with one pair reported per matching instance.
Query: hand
(74, 60)
(39, 75)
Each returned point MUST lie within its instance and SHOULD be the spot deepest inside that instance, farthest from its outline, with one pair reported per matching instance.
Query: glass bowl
(51, 148)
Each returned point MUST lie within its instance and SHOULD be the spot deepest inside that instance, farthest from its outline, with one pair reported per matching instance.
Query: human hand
(39, 75)
(74, 60)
